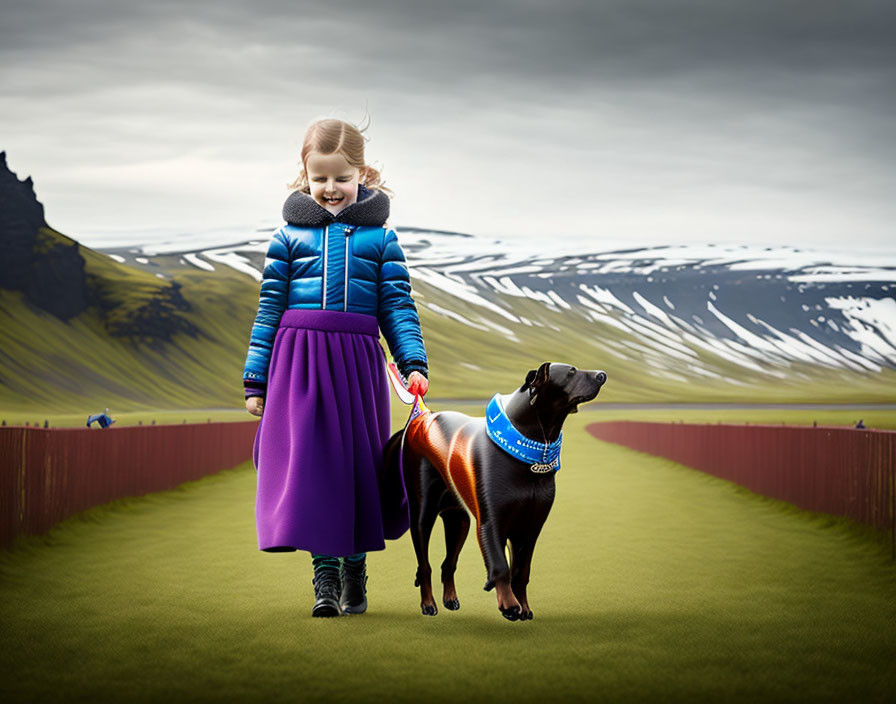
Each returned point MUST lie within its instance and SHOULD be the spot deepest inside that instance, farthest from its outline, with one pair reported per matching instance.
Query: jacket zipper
(348, 232)
(323, 303)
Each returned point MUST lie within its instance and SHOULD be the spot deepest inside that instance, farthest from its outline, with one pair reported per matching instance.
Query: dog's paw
(526, 615)
(511, 614)
(451, 604)
(429, 609)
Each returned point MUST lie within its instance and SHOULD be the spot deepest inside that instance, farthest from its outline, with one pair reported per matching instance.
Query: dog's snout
(601, 378)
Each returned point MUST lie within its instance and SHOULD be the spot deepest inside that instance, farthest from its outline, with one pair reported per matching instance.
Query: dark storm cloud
(654, 100)
(718, 42)
(837, 56)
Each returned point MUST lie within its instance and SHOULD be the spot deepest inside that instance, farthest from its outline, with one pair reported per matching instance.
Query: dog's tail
(393, 496)
(392, 453)
(394, 447)
(392, 479)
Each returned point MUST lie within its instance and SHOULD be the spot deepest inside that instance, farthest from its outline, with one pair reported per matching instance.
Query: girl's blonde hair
(330, 136)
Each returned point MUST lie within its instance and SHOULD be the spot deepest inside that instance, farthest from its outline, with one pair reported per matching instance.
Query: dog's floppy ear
(541, 375)
(530, 377)
(536, 377)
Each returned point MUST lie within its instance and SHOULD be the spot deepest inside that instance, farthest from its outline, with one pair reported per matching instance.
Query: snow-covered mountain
(688, 312)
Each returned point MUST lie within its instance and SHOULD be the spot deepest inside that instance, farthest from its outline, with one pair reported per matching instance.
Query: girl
(333, 278)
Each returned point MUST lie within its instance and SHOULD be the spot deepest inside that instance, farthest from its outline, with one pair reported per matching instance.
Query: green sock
(355, 560)
(325, 562)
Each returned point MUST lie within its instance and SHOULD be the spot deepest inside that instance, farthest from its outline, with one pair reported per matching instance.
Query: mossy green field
(651, 582)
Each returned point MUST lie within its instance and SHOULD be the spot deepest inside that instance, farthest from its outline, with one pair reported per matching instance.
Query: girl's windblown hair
(330, 136)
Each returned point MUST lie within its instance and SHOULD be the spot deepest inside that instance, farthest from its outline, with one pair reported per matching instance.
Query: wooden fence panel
(47, 475)
(842, 471)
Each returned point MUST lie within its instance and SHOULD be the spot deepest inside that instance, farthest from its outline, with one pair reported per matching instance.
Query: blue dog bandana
(541, 457)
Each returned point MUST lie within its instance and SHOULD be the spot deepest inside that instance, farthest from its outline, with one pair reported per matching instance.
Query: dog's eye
(572, 370)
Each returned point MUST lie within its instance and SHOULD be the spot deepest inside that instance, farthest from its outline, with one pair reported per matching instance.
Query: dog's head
(562, 387)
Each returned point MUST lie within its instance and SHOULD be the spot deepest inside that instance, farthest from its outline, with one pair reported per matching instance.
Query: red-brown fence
(841, 471)
(47, 475)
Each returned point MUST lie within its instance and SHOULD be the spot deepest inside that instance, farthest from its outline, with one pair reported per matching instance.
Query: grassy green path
(650, 582)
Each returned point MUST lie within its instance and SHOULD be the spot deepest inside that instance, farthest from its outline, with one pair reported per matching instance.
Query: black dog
(501, 468)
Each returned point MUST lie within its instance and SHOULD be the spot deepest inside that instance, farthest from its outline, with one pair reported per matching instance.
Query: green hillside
(179, 341)
(113, 353)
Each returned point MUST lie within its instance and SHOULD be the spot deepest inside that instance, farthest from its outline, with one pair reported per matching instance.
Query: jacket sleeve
(397, 313)
(272, 302)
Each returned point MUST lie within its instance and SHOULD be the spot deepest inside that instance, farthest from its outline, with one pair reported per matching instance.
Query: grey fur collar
(371, 209)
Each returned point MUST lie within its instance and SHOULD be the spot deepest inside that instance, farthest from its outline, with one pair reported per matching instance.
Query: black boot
(353, 599)
(326, 588)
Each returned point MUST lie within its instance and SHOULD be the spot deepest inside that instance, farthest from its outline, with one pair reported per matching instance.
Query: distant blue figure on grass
(860, 424)
(102, 418)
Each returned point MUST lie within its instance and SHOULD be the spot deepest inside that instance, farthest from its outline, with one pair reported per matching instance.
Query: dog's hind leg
(457, 525)
(424, 507)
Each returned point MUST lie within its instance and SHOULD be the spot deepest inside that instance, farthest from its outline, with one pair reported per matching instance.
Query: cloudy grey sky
(763, 121)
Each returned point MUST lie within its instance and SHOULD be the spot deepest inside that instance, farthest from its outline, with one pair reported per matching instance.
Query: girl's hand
(255, 405)
(418, 384)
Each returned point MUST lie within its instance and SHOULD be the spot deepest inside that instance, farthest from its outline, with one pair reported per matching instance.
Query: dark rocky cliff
(60, 277)
(49, 270)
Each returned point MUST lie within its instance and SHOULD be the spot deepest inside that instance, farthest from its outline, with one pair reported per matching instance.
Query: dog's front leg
(492, 544)
(521, 562)
(420, 536)
(522, 543)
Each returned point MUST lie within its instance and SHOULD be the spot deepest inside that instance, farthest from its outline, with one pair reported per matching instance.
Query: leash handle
(404, 393)
(409, 396)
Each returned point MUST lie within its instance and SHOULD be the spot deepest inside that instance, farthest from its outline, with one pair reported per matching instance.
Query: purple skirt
(319, 445)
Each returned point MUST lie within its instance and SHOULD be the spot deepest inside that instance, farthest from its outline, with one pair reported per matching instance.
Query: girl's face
(332, 180)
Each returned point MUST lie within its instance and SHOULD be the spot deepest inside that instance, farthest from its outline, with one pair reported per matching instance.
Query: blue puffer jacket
(348, 262)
